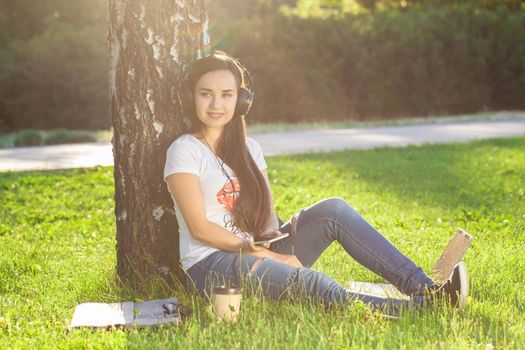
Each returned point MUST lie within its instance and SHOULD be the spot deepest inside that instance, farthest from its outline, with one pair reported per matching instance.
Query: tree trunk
(150, 41)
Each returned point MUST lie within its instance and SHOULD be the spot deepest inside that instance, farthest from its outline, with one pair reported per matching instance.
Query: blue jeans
(331, 219)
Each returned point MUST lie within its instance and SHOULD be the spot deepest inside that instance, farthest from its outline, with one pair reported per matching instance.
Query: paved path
(91, 154)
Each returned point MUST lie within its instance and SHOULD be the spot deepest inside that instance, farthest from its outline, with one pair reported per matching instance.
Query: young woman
(218, 180)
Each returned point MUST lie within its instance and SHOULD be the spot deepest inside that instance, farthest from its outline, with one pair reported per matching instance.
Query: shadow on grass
(466, 181)
(446, 176)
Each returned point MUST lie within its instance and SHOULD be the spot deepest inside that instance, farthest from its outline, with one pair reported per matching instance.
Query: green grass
(57, 249)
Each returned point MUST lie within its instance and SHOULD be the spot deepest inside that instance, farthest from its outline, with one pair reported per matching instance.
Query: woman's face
(215, 98)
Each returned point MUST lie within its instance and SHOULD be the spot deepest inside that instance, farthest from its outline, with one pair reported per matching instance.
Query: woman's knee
(334, 205)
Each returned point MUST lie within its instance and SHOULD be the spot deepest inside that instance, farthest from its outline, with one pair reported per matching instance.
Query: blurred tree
(316, 7)
(150, 42)
(421, 4)
(57, 78)
(232, 10)
(24, 19)
(53, 64)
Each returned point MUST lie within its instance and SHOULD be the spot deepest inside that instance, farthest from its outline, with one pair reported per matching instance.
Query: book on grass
(127, 314)
(453, 253)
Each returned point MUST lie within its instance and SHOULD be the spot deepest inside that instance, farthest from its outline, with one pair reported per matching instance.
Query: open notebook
(454, 251)
(127, 314)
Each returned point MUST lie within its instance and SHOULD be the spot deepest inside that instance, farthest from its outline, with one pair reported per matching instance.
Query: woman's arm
(185, 188)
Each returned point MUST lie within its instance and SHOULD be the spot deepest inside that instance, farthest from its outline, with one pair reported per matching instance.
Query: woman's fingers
(254, 247)
(251, 244)
(257, 247)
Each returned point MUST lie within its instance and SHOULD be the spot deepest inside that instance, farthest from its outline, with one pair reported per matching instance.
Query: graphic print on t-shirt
(228, 194)
(226, 197)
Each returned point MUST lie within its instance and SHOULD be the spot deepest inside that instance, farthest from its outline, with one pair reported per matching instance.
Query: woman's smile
(215, 115)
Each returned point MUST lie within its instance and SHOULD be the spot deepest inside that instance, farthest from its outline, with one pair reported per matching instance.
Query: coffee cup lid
(226, 290)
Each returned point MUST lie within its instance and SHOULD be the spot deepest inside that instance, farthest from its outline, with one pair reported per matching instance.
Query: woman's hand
(269, 234)
(261, 250)
(249, 241)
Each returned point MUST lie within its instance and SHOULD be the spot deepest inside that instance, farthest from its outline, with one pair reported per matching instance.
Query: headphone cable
(221, 164)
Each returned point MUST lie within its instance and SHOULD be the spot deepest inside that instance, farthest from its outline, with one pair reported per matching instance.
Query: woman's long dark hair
(252, 208)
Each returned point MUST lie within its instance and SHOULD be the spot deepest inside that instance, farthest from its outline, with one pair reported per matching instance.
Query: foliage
(25, 19)
(311, 60)
(323, 7)
(59, 80)
(62, 136)
(389, 64)
(57, 249)
(53, 70)
(32, 137)
(29, 137)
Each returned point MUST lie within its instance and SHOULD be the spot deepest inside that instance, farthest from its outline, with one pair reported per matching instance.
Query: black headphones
(245, 95)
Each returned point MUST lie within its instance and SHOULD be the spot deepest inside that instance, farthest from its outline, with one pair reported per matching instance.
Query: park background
(312, 60)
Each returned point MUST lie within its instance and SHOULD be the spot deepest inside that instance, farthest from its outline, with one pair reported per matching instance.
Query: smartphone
(270, 240)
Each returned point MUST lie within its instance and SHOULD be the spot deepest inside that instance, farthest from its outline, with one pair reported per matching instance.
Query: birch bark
(150, 42)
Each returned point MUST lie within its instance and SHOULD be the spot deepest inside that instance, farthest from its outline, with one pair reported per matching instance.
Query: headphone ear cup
(244, 101)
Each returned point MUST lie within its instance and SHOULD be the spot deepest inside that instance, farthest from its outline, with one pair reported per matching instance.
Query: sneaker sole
(460, 277)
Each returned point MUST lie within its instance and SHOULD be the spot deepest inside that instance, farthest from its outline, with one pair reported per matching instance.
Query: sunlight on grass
(57, 249)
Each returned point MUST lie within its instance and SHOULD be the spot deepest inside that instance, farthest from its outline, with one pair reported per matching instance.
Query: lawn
(57, 249)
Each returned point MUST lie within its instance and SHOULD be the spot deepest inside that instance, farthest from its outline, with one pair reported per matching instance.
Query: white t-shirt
(188, 155)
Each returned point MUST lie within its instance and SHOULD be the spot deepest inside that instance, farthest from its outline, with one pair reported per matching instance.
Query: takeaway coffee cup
(226, 302)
